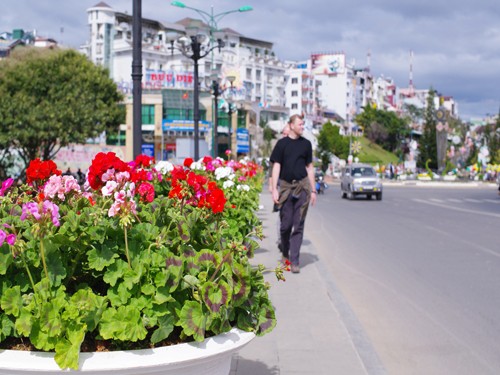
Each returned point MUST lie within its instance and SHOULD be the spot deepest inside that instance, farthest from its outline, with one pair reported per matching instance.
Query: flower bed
(144, 256)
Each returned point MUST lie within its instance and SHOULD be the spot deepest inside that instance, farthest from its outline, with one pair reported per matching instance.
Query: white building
(250, 75)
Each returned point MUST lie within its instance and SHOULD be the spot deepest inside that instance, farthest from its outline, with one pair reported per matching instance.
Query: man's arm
(310, 174)
(274, 181)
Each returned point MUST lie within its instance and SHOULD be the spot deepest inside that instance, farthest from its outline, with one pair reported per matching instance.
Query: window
(295, 93)
(258, 74)
(249, 73)
(148, 114)
(295, 106)
(295, 81)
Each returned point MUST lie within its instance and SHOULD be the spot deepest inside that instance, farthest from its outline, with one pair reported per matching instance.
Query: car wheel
(344, 194)
(379, 196)
(368, 196)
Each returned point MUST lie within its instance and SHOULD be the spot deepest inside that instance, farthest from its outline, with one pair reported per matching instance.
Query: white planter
(210, 357)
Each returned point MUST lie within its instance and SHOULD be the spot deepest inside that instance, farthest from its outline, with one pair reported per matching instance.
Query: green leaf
(103, 257)
(183, 229)
(163, 295)
(124, 324)
(148, 289)
(57, 271)
(5, 260)
(267, 320)
(115, 272)
(193, 320)
(215, 295)
(131, 277)
(165, 327)
(41, 339)
(11, 301)
(119, 295)
(50, 319)
(24, 322)
(68, 351)
(208, 259)
(174, 266)
(7, 327)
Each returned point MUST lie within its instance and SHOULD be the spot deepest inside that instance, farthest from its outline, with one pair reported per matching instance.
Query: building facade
(250, 77)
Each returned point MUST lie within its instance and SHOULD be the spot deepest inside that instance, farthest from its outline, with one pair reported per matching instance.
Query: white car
(360, 179)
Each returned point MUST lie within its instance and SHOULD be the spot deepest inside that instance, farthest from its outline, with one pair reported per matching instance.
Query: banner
(185, 125)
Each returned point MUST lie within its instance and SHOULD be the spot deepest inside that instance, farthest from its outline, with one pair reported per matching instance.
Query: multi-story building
(251, 77)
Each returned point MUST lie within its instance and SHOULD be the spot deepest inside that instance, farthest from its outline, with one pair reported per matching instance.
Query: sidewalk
(314, 334)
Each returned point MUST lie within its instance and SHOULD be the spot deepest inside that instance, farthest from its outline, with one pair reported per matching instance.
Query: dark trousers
(292, 226)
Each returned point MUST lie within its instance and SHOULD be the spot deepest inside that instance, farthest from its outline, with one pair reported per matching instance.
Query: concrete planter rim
(174, 357)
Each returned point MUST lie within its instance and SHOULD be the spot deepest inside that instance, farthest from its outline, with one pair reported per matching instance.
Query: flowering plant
(144, 255)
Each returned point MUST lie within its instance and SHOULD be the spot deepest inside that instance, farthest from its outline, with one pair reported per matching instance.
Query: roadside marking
(472, 200)
(436, 200)
(472, 244)
(456, 208)
(454, 200)
(497, 201)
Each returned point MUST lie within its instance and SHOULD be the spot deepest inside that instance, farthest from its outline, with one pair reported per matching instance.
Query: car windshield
(363, 172)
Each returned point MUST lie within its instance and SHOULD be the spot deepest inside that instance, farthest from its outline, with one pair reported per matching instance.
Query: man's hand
(313, 197)
(276, 196)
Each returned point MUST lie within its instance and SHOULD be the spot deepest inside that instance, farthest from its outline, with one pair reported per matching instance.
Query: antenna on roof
(411, 90)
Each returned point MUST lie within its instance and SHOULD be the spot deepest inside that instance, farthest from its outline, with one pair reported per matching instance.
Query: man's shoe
(295, 268)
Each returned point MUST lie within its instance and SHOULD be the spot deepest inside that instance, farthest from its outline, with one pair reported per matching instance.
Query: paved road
(421, 271)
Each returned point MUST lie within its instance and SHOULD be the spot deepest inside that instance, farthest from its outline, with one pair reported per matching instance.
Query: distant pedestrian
(293, 187)
(68, 172)
(80, 176)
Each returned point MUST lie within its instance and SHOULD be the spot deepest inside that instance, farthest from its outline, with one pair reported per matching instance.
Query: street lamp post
(217, 93)
(137, 78)
(211, 19)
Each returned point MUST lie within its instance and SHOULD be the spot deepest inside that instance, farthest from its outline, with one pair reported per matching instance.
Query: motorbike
(321, 185)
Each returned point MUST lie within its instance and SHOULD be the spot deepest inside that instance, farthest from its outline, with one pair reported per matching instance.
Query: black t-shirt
(293, 155)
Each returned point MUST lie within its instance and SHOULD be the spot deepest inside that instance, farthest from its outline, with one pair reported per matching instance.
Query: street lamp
(216, 92)
(193, 47)
(230, 110)
(211, 19)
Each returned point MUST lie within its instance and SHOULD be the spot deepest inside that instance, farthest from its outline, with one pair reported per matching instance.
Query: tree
(428, 141)
(269, 135)
(383, 127)
(492, 140)
(50, 98)
(330, 141)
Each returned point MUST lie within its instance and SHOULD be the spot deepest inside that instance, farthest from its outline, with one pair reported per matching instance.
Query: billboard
(328, 64)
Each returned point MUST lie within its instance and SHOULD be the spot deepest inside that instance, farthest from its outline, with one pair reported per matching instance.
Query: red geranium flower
(101, 164)
(188, 162)
(39, 171)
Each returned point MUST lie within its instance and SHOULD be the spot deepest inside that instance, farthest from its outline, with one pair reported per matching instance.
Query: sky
(455, 44)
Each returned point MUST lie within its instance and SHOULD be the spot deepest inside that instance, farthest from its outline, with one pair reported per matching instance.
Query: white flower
(227, 184)
(197, 165)
(164, 167)
(243, 187)
(224, 172)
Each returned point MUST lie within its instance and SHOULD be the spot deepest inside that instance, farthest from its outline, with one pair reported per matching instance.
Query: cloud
(456, 45)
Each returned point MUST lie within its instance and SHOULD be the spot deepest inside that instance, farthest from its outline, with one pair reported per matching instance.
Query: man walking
(293, 169)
